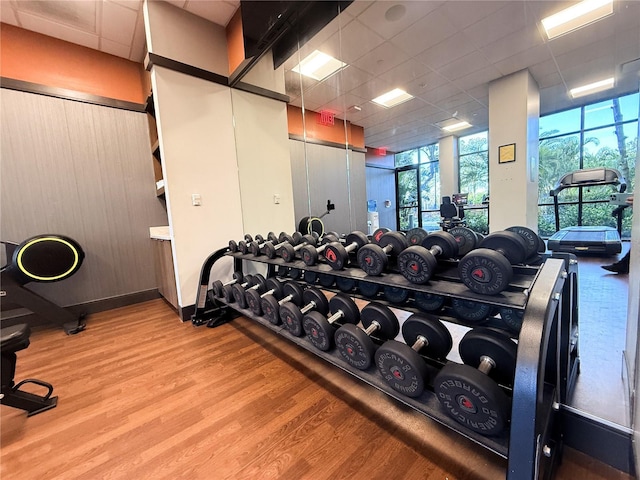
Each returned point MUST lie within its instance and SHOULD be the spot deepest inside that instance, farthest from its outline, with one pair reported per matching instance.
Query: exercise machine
(45, 259)
(587, 239)
(452, 211)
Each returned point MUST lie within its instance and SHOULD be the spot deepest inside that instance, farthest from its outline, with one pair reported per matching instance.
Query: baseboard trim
(86, 308)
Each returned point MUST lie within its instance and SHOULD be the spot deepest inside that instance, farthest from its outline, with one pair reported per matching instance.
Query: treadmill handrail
(590, 177)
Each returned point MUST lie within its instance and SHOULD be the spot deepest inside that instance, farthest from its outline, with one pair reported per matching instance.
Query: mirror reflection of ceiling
(445, 54)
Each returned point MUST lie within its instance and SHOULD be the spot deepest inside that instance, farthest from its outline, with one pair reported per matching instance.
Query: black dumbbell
(401, 364)
(418, 262)
(355, 344)
(369, 289)
(429, 302)
(256, 247)
(239, 291)
(512, 318)
(271, 305)
(227, 290)
(337, 255)
(288, 251)
(243, 245)
(346, 284)
(320, 330)
(233, 245)
(218, 287)
(378, 233)
(471, 311)
(271, 248)
(487, 269)
(470, 393)
(535, 244)
(292, 315)
(310, 253)
(253, 297)
(415, 236)
(466, 239)
(396, 295)
(373, 259)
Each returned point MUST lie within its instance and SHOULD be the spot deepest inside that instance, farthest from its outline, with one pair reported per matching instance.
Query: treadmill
(588, 239)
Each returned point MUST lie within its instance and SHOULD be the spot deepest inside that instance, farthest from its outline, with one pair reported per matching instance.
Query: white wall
(182, 36)
(449, 162)
(195, 130)
(262, 146)
(263, 75)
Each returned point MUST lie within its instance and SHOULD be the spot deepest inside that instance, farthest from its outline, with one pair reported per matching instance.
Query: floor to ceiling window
(474, 179)
(603, 134)
(418, 187)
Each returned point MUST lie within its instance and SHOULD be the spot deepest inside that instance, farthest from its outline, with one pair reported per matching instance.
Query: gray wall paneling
(327, 173)
(84, 171)
(381, 186)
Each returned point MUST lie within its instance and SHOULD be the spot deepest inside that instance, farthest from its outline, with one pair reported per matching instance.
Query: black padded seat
(14, 338)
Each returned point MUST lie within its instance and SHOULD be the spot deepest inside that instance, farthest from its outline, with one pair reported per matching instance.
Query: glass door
(408, 190)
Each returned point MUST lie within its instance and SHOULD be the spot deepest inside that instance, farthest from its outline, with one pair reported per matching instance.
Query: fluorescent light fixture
(457, 126)
(576, 16)
(318, 65)
(592, 88)
(392, 98)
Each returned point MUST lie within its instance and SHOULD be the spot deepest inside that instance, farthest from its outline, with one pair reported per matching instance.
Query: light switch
(276, 198)
(196, 200)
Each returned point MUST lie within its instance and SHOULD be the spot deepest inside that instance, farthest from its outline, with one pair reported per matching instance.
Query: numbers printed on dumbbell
(292, 315)
(218, 287)
(337, 255)
(271, 305)
(239, 290)
(466, 239)
(320, 330)
(288, 251)
(311, 253)
(373, 259)
(470, 393)
(355, 344)
(253, 297)
(417, 263)
(512, 318)
(401, 364)
(256, 247)
(487, 269)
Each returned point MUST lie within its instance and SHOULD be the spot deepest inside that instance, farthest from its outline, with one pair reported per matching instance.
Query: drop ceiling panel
(425, 33)
(509, 19)
(354, 41)
(381, 59)
(539, 55)
(56, 30)
(218, 12)
(446, 52)
(132, 4)
(406, 73)
(114, 48)
(348, 79)
(434, 95)
(408, 13)
(138, 45)
(465, 13)
(73, 13)
(464, 66)
(484, 75)
(118, 23)
(513, 44)
(7, 15)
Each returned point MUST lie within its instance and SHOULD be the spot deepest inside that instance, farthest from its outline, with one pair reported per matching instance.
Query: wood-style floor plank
(144, 396)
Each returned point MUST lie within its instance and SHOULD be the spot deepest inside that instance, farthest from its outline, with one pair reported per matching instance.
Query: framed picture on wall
(507, 153)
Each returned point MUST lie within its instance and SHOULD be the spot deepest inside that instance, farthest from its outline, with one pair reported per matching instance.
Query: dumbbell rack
(547, 361)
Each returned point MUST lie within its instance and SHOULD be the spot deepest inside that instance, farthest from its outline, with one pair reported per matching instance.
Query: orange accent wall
(36, 58)
(329, 133)
(235, 41)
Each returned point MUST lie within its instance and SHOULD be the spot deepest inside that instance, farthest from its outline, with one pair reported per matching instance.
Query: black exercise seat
(12, 340)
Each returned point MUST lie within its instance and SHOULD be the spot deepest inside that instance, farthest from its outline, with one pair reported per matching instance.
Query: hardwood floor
(144, 396)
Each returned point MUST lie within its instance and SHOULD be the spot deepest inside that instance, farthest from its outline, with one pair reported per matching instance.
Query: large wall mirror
(444, 56)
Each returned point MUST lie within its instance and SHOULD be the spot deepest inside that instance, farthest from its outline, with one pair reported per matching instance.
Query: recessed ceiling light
(318, 65)
(576, 16)
(392, 98)
(456, 126)
(592, 88)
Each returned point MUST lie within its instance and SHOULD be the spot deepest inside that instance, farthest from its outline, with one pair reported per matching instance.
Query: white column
(514, 110)
(449, 178)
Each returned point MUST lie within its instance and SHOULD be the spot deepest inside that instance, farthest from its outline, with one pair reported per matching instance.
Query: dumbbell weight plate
(542, 247)
(470, 311)
(217, 285)
(372, 259)
(211, 296)
(378, 233)
(335, 253)
(466, 239)
(319, 331)
(295, 273)
(417, 264)
(271, 307)
(415, 236)
(430, 327)
(355, 346)
(512, 318)
(227, 290)
(345, 284)
(326, 280)
(472, 398)
(239, 292)
(429, 302)
(510, 244)
(402, 368)
(252, 297)
(529, 236)
(291, 316)
(396, 295)
(310, 277)
(369, 289)
(495, 344)
(485, 271)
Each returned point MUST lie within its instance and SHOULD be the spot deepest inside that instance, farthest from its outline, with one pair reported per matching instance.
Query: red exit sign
(325, 117)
